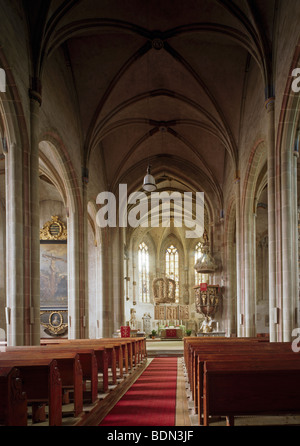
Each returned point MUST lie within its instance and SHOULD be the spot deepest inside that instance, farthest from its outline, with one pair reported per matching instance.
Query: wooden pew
(68, 363)
(13, 400)
(133, 350)
(231, 357)
(189, 342)
(42, 383)
(226, 348)
(105, 354)
(69, 358)
(138, 348)
(250, 388)
(205, 343)
(124, 352)
(191, 345)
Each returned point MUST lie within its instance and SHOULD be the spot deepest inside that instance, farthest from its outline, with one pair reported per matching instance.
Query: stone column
(84, 304)
(73, 277)
(15, 305)
(240, 331)
(230, 289)
(287, 242)
(117, 272)
(271, 218)
(34, 203)
(186, 295)
(107, 303)
(296, 302)
(99, 292)
(2, 268)
(249, 277)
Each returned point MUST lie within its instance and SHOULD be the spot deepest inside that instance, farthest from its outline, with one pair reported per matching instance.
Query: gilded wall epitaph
(53, 277)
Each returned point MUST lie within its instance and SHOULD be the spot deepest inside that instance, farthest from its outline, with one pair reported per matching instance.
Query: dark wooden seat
(196, 349)
(242, 387)
(75, 364)
(42, 383)
(94, 361)
(13, 400)
(105, 353)
(232, 357)
(69, 368)
(213, 344)
(122, 353)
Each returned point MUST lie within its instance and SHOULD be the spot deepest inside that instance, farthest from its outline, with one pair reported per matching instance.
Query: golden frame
(54, 229)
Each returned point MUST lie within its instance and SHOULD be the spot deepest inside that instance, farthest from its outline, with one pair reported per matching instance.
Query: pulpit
(207, 299)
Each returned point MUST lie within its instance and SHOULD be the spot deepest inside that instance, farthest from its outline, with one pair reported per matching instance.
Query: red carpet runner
(151, 401)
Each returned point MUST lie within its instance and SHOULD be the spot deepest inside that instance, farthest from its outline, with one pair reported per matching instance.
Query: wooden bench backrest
(13, 400)
(240, 388)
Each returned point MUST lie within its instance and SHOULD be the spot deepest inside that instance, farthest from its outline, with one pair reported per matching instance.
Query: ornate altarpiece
(166, 308)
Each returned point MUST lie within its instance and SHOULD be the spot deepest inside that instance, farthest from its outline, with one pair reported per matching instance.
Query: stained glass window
(199, 278)
(172, 267)
(143, 257)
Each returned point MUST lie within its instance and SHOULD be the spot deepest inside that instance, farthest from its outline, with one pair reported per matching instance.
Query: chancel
(150, 212)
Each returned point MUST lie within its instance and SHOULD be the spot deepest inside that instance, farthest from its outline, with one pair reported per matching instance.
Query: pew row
(41, 382)
(256, 387)
(255, 358)
(76, 365)
(13, 400)
(200, 352)
(129, 352)
(217, 344)
(229, 347)
(95, 357)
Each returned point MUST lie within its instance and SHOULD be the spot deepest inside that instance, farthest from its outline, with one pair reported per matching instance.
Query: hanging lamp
(149, 181)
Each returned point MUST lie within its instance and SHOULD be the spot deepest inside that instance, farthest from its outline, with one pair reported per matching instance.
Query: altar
(171, 333)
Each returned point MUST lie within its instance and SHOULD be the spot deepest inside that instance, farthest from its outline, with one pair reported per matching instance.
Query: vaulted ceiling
(159, 82)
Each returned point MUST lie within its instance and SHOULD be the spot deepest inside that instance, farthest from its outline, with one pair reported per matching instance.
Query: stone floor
(157, 347)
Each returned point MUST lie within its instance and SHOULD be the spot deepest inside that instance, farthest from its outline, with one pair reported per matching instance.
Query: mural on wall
(54, 283)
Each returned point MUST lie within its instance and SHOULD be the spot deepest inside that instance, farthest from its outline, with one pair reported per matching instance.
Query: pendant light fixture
(149, 181)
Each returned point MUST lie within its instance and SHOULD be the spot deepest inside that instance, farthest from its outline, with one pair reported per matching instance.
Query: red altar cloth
(171, 333)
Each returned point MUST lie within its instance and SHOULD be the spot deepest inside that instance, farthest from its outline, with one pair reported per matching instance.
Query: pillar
(107, 302)
(230, 288)
(271, 218)
(239, 309)
(34, 212)
(74, 331)
(117, 272)
(249, 275)
(289, 159)
(15, 305)
(296, 302)
(84, 304)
